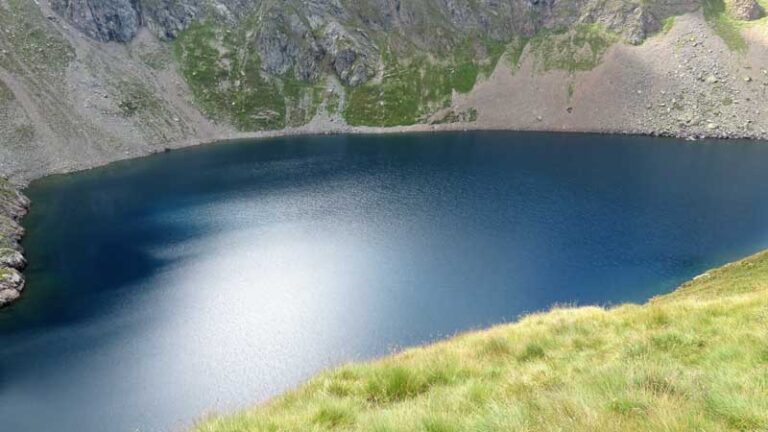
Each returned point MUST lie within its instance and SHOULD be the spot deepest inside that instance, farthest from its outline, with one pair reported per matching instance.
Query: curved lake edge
(61, 191)
(23, 180)
(724, 289)
(17, 186)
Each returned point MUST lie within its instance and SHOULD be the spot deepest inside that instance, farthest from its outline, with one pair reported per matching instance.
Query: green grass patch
(334, 415)
(724, 26)
(696, 359)
(667, 24)
(532, 351)
(413, 87)
(226, 77)
(515, 49)
(578, 49)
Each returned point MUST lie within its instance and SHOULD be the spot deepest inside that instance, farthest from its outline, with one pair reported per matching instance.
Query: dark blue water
(208, 279)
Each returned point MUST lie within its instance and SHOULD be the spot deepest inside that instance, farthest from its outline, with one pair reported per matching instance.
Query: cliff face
(120, 20)
(13, 206)
(346, 37)
(272, 64)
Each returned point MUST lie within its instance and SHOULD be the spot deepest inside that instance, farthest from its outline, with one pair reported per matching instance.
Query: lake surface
(212, 278)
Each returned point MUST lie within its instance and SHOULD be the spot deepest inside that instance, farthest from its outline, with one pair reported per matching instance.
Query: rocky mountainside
(85, 82)
(266, 64)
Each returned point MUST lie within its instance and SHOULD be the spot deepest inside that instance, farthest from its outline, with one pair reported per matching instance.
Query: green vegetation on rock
(667, 24)
(226, 77)
(411, 89)
(578, 49)
(724, 25)
(268, 69)
(696, 359)
(26, 39)
(515, 49)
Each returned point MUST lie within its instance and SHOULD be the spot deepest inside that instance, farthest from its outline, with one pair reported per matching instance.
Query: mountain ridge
(86, 82)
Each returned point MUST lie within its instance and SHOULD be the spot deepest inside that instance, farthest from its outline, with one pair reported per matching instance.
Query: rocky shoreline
(13, 207)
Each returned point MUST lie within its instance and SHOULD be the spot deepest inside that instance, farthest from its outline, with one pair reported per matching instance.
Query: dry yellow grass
(694, 360)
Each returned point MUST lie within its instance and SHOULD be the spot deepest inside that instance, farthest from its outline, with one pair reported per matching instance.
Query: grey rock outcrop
(11, 285)
(345, 38)
(745, 10)
(13, 206)
(12, 258)
(105, 20)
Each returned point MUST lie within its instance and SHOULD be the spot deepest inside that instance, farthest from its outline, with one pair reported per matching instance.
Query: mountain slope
(85, 82)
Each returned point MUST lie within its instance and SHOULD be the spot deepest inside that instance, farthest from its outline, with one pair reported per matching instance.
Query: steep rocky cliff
(265, 64)
(306, 37)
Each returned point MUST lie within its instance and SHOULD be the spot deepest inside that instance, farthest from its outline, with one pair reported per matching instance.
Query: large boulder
(12, 258)
(8, 296)
(745, 10)
(11, 285)
(104, 20)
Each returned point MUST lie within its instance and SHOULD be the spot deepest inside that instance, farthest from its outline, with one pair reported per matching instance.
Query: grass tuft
(532, 351)
(495, 347)
(395, 383)
(438, 424)
(334, 416)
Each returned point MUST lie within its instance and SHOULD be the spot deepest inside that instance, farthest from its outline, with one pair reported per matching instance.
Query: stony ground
(685, 83)
(69, 103)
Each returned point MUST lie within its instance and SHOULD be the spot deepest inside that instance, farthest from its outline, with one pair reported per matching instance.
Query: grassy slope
(413, 88)
(696, 359)
(728, 28)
